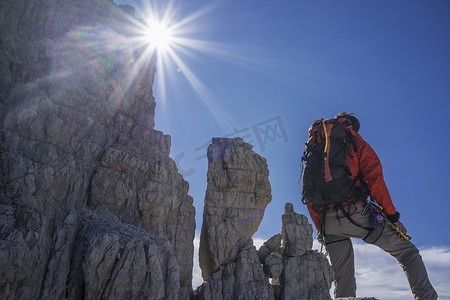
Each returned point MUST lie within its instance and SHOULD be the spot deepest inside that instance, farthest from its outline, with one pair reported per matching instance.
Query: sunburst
(165, 36)
(160, 36)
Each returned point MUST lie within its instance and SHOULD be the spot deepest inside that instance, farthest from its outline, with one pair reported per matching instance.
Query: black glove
(394, 218)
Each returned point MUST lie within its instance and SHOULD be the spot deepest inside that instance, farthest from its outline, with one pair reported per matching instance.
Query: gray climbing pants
(338, 230)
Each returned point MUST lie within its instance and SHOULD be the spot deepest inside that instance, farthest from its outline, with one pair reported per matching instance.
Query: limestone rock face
(270, 246)
(77, 134)
(296, 232)
(121, 261)
(237, 194)
(307, 277)
(297, 272)
(273, 265)
(243, 279)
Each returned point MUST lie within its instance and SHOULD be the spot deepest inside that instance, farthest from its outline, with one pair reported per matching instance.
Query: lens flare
(159, 35)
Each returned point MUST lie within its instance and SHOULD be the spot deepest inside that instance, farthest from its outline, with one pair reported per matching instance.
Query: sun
(159, 35)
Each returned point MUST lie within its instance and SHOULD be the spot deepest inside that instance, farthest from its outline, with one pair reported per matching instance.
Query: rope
(326, 139)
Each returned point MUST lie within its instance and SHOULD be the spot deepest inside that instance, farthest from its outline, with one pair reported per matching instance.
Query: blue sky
(276, 66)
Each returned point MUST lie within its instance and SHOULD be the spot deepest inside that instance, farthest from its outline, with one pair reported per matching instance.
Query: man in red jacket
(348, 220)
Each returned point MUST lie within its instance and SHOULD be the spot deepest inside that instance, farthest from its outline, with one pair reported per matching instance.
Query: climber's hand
(401, 227)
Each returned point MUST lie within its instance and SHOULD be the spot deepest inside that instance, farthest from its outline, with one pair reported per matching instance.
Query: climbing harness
(387, 223)
(376, 218)
(380, 213)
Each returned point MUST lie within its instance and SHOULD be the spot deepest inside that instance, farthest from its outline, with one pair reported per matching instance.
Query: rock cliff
(89, 199)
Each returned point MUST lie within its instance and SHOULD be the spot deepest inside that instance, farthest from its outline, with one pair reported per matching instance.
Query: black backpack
(325, 174)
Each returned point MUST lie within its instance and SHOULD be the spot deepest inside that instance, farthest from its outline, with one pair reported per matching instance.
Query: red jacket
(367, 162)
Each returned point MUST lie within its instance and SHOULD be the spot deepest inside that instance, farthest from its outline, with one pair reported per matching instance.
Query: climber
(339, 207)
